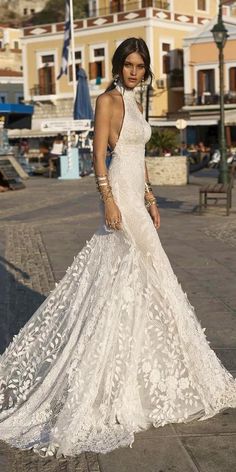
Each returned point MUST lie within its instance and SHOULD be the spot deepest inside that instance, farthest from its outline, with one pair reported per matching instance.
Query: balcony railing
(208, 98)
(49, 89)
(120, 7)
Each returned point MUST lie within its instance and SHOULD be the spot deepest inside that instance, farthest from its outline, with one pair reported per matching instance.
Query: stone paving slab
(157, 454)
(43, 228)
(212, 453)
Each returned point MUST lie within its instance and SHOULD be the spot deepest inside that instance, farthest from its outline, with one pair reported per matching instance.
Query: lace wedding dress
(116, 346)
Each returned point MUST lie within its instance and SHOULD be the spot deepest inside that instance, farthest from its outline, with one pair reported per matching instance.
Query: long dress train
(116, 347)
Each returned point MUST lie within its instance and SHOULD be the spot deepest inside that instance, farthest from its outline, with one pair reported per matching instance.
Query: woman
(116, 347)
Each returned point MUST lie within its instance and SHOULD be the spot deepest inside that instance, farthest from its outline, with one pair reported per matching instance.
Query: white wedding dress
(116, 346)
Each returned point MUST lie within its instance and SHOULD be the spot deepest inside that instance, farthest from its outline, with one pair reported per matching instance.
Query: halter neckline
(124, 90)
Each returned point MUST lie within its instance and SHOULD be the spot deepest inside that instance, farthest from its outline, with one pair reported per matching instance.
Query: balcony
(38, 90)
(118, 6)
(208, 98)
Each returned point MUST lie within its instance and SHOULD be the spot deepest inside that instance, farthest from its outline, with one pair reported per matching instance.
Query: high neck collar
(124, 90)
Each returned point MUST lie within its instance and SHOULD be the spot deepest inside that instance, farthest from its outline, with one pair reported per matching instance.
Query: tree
(163, 140)
(54, 12)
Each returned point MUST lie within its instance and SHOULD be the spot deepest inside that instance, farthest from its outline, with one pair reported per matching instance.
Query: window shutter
(103, 69)
(200, 82)
(232, 79)
(166, 64)
(52, 85)
(41, 78)
(92, 70)
(70, 73)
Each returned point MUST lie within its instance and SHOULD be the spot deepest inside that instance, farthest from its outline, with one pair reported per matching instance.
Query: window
(97, 64)
(166, 47)
(1, 44)
(201, 5)
(205, 86)
(20, 99)
(47, 58)
(16, 44)
(98, 52)
(92, 8)
(3, 98)
(25, 11)
(116, 5)
(32, 11)
(46, 75)
(78, 61)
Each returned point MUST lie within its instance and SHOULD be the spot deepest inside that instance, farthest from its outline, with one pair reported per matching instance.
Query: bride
(116, 347)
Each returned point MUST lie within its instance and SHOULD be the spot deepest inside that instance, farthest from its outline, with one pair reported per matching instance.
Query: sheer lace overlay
(116, 346)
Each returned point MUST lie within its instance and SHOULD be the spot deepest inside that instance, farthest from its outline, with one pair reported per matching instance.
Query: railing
(120, 7)
(208, 98)
(49, 89)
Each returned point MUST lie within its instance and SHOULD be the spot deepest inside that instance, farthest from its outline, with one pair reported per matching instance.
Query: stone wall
(171, 170)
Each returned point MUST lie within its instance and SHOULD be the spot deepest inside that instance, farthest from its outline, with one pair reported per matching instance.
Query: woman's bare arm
(103, 116)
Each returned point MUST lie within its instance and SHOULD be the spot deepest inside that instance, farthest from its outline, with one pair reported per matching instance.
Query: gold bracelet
(148, 187)
(103, 186)
(151, 202)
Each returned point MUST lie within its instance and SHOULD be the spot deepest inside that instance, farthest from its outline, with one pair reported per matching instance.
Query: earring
(115, 80)
(142, 85)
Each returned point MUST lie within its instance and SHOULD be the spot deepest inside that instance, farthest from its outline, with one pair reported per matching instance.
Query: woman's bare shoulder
(106, 99)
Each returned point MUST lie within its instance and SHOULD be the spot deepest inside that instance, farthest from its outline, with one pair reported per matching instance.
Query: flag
(67, 39)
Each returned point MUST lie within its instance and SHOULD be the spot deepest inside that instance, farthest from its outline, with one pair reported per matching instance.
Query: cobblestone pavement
(225, 232)
(42, 229)
(14, 460)
(29, 280)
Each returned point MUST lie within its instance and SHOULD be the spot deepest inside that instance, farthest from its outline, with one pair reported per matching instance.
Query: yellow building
(202, 86)
(162, 23)
(11, 75)
(10, 48)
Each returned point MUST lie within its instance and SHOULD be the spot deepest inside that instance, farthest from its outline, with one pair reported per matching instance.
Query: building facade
(24, 7)
(11, 73)
(163, 24)
(202, 85)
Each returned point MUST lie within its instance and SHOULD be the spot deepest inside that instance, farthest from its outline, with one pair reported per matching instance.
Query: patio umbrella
(82, 107)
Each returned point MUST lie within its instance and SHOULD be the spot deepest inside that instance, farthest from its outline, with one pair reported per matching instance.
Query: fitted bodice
(135, 130)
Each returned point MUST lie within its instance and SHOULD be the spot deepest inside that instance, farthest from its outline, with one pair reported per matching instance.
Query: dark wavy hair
(128, 46)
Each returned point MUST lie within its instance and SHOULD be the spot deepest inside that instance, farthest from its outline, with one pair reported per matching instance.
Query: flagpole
(73, 48)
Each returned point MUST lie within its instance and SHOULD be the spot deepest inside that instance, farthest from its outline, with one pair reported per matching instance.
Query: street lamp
(220, 35)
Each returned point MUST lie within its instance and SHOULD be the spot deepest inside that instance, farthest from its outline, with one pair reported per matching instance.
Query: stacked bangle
(151, 202)
(103, 187)
(149, 197)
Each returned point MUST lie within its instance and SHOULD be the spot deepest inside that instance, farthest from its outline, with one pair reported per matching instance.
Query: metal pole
(73, 48)
(147, 102)
(223, 170)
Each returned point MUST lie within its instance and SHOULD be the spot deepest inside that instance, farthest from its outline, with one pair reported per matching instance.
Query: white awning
(230, 117)
(30, 133)
(197, 122)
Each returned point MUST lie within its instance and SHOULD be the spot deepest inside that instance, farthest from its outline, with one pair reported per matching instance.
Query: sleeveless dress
(116, 347)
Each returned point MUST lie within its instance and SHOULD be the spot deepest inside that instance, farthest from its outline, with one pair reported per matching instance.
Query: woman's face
(133, 70)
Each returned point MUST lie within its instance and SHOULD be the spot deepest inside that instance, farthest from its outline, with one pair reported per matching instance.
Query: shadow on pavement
(18, 301)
